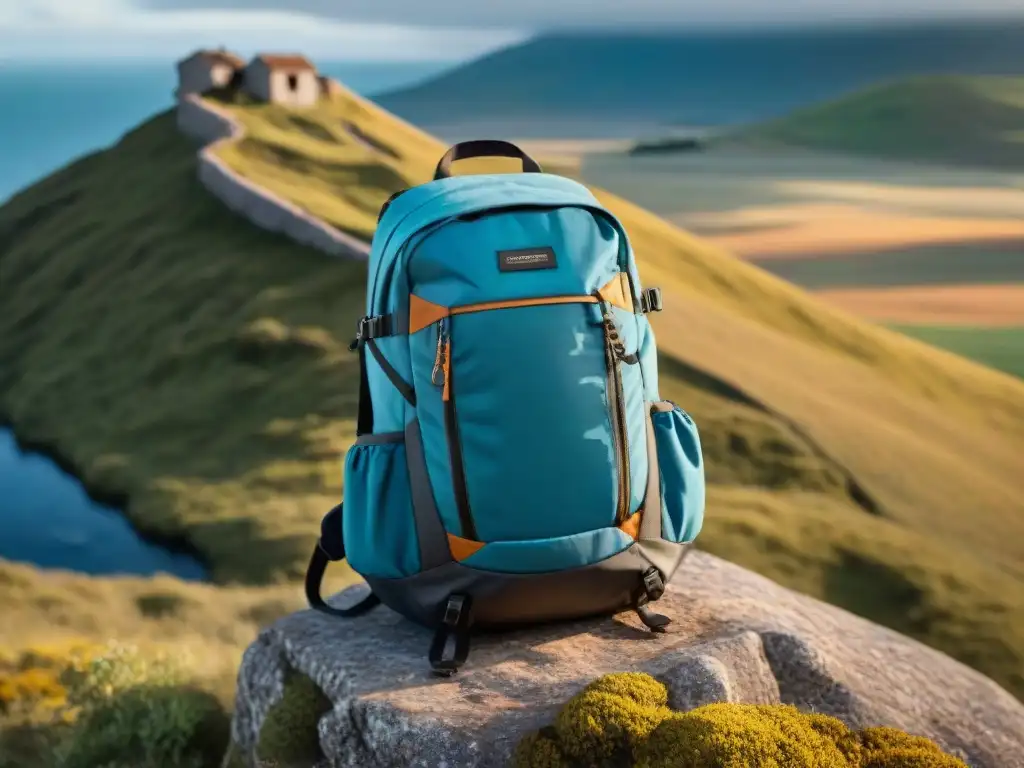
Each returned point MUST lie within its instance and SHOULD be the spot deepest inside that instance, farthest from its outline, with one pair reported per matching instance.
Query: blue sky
(392, 29)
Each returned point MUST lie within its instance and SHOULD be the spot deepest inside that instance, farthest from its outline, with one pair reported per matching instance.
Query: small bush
(83, 706)
(622, 720)
(150, 726)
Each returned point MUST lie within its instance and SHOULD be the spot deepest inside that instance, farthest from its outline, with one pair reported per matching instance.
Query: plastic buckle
(650, 300)
(654, 586)
(453, 610)
(454, 625)
(366, 328)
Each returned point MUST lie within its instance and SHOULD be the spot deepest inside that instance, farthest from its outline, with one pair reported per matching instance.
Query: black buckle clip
(370, 328)
(454, 623)
(654, 586)
(650, 300)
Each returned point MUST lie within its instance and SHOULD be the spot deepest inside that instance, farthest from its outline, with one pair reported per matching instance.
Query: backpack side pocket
(379, 524)
(681, 466)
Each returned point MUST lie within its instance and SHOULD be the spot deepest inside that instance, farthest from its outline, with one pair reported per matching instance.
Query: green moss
(621, 720)
(289, 734)
(540, 750)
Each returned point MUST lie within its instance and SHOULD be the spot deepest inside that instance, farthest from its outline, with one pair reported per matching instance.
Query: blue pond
(47, 518)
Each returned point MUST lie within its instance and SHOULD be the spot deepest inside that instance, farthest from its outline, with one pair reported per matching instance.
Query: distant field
(999, 348)
(983, 306)
(922, 265)
(736, 177)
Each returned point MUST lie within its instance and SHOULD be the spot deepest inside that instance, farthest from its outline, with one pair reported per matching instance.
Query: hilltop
(954, 120)
(633, 84)
(175, 354)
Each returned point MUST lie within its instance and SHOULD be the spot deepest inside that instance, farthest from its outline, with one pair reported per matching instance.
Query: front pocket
(681, 466)
(518, 400)
(379, 525)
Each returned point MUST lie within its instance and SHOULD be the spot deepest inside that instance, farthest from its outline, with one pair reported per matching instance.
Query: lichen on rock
(289, 735)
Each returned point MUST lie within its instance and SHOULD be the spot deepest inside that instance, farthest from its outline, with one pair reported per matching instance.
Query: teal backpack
(514, 462)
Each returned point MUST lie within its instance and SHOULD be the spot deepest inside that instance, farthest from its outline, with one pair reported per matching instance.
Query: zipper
(441, 376)
(615, 353)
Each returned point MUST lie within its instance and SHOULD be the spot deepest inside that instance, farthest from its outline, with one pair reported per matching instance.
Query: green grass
(999, 348)
(949, 119)
(174, 354)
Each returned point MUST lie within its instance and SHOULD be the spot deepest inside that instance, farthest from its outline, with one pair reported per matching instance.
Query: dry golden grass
(987, 306)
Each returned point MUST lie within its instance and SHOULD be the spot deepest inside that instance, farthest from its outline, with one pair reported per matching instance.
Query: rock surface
(736, 636)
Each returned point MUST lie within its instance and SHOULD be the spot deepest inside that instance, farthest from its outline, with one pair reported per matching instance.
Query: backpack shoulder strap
(330, 547)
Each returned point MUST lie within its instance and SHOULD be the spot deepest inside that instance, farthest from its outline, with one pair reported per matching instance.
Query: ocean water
(53, 113)
(49, 115)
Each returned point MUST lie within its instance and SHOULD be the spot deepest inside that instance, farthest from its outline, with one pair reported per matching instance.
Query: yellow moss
(893, 748)
(539, 750)
(739, 736)
(289, 734)
(611, 716)
(622, 720)
(641, 688)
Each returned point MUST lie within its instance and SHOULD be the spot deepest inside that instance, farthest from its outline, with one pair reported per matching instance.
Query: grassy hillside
(955, 120)
(1000, 348)
(173, 353)
(628, 83)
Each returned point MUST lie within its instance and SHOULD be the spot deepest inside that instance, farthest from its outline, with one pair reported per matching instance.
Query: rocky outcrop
(201, 120)
(736, 637)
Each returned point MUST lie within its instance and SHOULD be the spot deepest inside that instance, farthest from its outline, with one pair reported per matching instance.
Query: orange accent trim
(616, 292)
(446, 366)
(512, 303)
(423, 313)
(631, 527)
(462, 548)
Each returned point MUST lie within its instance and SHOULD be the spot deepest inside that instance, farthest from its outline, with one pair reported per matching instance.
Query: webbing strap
(330, 547)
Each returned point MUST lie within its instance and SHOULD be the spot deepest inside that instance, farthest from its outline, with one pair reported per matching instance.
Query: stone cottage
(283, 79)
(206, 70)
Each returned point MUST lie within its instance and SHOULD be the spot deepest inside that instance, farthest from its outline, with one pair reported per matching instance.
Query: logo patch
(526, 258)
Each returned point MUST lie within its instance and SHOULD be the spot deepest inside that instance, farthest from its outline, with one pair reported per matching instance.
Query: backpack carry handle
(484, 148)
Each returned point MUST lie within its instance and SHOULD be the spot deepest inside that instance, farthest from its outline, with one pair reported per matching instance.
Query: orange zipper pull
(447, 366)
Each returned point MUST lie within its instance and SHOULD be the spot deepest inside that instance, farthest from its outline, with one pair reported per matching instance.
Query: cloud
(588, 13)
(49, 29)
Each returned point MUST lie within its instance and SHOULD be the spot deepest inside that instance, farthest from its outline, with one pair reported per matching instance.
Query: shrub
(149, 726)
(83, 706)
(622, 720)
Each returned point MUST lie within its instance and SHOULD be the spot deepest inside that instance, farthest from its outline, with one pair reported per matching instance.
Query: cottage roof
(291, 61)
(219, 56)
